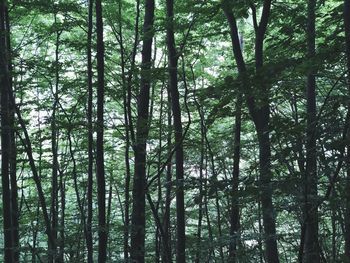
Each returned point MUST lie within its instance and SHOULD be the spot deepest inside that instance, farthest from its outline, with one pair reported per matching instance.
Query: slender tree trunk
(211, 252)
(173, 88)
(334, 231)
(100, 170)
(157, 245)
(14, 194)
(214, 180)
(127, 182)
(36, 177)
(311, 251)
(40, 158)
(127, 188)
(158, 238)
(35, 234)
(201, 177)
(260, 245)
(166, 220)
(139, 185)
(13, 153)
(54, 145)
(62, 186)
(128, 131)
(5, 136)
(76, 186)
(234, 219)
(89, 241)
(109, 209)
(131, 72)
(347, 213)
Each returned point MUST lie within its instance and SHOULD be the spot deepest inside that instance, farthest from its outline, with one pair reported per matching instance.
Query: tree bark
(5, 136)
(176, 109)
(139, 182)
(347, 212)
(235, 216)
(166, 219)
(53, 253)
(201, 178)
(158, 237)
(311, 251)
(260, 113)
(89, 242)
(100, 170)
(128, 128)
(13, 153)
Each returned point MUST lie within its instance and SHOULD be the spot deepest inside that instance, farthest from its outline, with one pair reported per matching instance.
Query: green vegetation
(174, 131)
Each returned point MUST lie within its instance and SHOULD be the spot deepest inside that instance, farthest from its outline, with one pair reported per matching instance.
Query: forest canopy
(175, 131)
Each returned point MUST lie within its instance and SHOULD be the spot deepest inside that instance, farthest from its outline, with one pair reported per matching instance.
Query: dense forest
(175, 131)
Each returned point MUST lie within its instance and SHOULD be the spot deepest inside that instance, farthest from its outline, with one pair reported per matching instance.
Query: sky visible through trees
(175, 131)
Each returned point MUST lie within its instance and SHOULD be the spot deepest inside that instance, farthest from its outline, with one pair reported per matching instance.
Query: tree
(311, 250)
(139, 184)
(347, 167)
(89, 240)
(176, 109)
(6, 128)
(260, 111)
(216, 154)
(100, 169)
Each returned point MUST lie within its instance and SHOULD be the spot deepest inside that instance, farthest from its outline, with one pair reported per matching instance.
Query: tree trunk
(13, 153)
(158, 237)
(139, 184)
(347, 211)
(311, 248)
(347, 215)
(211, 252)
(268, 214)
(260, 115)
(174, 93)
(201, 178)
(62, 186)
(53, 253)
(166, 219)
(100, 170)
(89, 242)
(127, 182)
(234, 219)
(5, 135)
(129, 129)
(261, 118)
